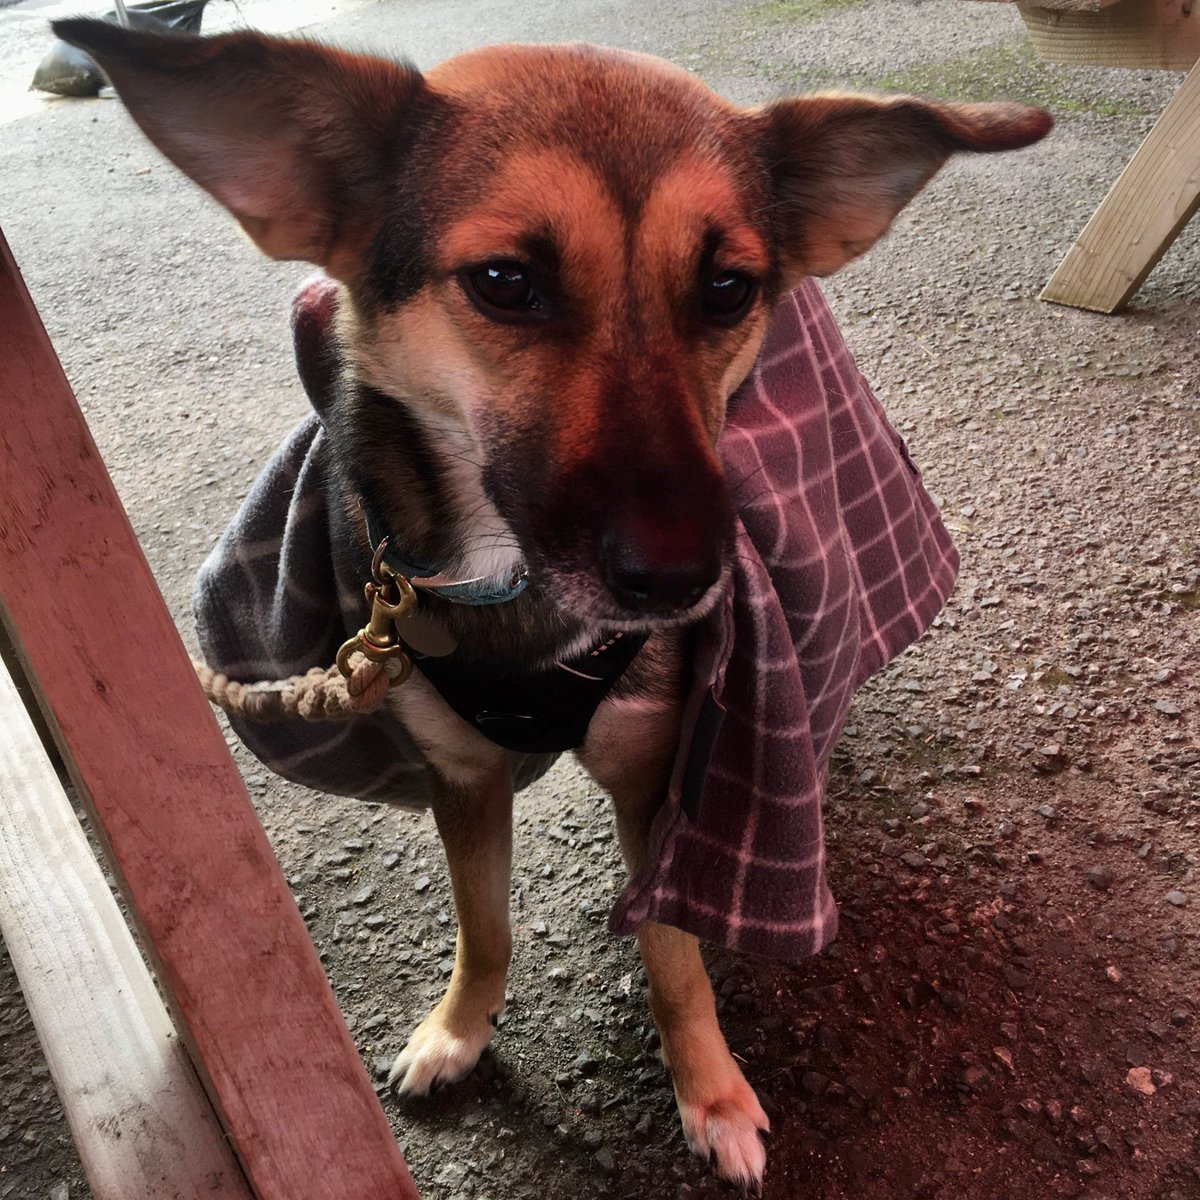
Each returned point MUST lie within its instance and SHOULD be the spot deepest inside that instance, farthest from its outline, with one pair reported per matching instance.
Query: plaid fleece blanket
(841, 562)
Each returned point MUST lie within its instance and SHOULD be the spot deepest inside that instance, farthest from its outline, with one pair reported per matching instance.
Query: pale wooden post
(1147, 208)
(1159, 191)
(140, 1119)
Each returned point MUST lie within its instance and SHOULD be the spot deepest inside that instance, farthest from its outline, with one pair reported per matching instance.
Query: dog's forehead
(576, 145)
(550, 203)
(597, 101)
(550, 69)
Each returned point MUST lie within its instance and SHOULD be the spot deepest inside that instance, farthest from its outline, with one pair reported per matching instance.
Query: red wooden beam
(231, 951)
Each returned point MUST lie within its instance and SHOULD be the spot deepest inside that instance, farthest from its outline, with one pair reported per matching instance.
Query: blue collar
(486, 589)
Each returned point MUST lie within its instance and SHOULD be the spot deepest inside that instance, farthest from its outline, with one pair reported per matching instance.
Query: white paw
(727, 1133)
(436, 1055)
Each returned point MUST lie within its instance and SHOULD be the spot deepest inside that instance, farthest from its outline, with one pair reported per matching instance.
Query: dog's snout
(660, 567)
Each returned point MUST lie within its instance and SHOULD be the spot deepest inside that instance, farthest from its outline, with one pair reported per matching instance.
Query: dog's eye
(726, 298)
(501, 290)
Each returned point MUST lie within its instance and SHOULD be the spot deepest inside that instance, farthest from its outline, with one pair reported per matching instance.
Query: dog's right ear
(290, 136)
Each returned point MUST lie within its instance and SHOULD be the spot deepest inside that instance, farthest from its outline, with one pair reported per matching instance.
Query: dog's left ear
(291, 136)
(842, 166)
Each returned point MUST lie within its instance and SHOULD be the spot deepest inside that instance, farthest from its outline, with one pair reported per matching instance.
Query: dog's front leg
(475, 824)
(629, 751)
(722, 1118)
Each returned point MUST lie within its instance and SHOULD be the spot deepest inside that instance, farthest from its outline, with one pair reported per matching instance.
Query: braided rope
(322, 694)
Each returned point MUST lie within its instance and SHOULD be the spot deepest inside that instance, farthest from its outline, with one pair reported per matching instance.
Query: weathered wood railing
(230, 952)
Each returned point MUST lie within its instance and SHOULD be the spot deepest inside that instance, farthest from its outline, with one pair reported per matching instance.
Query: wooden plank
(230, 950)
(139, 1116)
(1068, 5)
(1155, 197)
(1152, 34)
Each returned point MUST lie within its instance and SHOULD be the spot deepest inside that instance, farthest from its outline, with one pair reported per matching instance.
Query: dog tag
(427, 636)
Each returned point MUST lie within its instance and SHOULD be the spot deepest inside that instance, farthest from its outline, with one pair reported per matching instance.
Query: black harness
(530, 712)
(533, 712)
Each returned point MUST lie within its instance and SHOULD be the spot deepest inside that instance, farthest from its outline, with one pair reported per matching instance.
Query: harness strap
(533, 712)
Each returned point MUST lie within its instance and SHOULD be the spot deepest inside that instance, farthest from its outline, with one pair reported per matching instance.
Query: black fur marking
(539, 248)
(381, 453)
(398, 261)
(381, 450)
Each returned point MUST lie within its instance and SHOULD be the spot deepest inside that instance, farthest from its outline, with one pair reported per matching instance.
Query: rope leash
(374, 660)
(322, 694)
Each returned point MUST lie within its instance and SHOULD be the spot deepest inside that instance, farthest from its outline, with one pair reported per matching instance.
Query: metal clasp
(392, 598)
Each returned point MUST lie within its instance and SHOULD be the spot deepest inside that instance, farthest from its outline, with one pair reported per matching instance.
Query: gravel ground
(1011, 1008)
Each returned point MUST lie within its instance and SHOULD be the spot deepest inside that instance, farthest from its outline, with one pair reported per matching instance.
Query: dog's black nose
(660, 569)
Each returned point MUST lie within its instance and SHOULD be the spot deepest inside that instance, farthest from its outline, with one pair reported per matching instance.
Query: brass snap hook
(392, 598)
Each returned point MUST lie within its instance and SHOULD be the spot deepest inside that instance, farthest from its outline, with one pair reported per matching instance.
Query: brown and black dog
(556, 264)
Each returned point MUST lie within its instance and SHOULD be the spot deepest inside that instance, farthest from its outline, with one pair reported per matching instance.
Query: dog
(555, 266)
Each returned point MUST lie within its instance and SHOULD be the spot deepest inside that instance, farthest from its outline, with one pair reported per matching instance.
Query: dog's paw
(728, 1133)
(438, 1053)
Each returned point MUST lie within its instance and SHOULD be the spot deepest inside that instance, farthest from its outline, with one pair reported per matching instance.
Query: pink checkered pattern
(842, 562)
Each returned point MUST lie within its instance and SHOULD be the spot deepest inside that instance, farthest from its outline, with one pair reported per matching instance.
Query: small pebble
(814, 1083)
(976, 1077)
(1139, 1079)
(586, 1064)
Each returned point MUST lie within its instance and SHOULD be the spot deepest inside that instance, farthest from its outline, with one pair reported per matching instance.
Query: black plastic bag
(66, 71)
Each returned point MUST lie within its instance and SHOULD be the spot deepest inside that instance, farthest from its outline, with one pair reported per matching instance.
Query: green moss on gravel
(1009, 71)
(1187, 600)
(798, 10)
(1003, 72)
